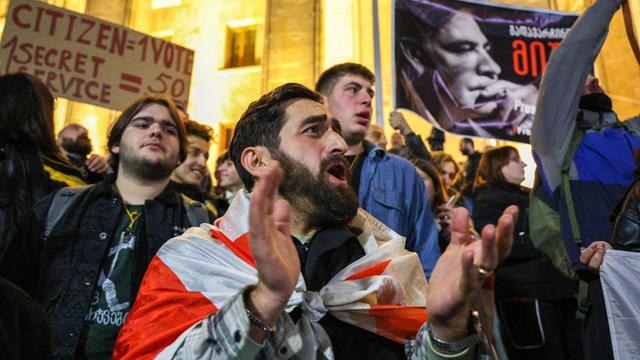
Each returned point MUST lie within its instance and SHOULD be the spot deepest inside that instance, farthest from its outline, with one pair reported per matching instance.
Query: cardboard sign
(85, 59)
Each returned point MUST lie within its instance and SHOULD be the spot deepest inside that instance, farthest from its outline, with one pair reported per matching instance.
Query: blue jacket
(392, 191)
(602, 167)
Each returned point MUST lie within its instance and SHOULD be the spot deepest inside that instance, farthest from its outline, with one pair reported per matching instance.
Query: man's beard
(141, 168)
(323, 204)
(81, 146)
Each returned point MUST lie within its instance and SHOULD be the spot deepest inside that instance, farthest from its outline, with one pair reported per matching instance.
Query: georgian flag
(620, 275)
(195, 274)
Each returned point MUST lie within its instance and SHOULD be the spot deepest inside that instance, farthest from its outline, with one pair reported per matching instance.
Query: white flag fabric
(620, 276)
(192, 276)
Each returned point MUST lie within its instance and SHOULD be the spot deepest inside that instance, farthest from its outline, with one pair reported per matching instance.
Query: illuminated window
(241, 47)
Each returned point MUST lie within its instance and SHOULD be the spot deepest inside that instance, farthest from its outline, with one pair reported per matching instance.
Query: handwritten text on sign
(90, 60)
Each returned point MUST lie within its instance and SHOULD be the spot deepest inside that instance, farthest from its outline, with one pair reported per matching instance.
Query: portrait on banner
(473, 69)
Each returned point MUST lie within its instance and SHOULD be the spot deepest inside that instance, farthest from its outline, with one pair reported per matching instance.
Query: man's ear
(414, 54)
(255, 157)
(115, 149)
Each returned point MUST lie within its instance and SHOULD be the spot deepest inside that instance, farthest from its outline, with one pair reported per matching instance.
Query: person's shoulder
(398, 161)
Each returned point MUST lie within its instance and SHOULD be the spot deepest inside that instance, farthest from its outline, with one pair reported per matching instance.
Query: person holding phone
(534, 302)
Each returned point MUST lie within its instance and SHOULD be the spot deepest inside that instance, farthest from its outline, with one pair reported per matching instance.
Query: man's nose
(156, 129)
(337, 145)
(201, 160)
(487, 66)
(366, 98)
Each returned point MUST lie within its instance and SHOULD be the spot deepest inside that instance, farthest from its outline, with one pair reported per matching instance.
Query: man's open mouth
(339, 172)
(364, 116)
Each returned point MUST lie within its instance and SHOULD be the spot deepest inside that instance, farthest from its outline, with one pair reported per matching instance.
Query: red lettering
(168, 56)
(72, 20)
(156, 50)
(26, 49)
(118, 42)
(79, 83)
(105, 94)
(90, 95)
(97, 61)
(79, 63)
(55, 15)
(537, 51)
(16, 12)
(177, 88)
(90, 24)
(39, 54)
(143, 42)
(520, 61)
(103, 34)
(38, 19)
(179, 51)
(47, 57)
(12, 45)
(188, 64)
(64, 56)
(51, 76)
(66, 86)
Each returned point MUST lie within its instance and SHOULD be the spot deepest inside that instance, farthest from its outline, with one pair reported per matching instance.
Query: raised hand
(398, 122)
(273, 250)
(593, 255)
(456, 277)
(97, 163)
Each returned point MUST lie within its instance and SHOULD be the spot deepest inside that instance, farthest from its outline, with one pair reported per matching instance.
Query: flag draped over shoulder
(194, 275)
(619, 274)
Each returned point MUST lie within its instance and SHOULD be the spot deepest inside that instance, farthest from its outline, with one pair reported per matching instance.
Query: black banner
(473, 69)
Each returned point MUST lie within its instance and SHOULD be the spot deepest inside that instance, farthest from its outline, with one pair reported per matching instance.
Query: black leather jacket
(61, 273)
(626, 222)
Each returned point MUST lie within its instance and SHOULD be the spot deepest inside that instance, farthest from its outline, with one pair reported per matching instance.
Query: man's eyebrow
(359, 86)
(354, 83)
(165, 122)
(312, 120)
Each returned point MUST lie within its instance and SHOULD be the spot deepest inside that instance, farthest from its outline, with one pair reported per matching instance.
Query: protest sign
(86, 59)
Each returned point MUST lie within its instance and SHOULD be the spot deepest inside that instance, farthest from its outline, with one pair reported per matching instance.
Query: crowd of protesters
(313, 237)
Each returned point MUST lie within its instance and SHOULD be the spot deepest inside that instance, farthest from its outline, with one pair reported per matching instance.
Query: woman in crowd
(437, 198)
(534, 302)
(31, 164)
(448, 169)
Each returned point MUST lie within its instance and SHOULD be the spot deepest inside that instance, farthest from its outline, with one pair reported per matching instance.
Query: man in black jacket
(86, 269)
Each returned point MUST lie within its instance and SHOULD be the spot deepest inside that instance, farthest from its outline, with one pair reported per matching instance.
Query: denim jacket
(392, 191)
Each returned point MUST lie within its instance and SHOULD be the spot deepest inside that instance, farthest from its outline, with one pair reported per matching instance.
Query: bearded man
(84, 263)
(75, 144)
(296, 270)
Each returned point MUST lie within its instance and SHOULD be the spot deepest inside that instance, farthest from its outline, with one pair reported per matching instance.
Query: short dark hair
(203, 131)
(440, 196)
(467, 140)
(224, 156)
(71, 126)
(490, 166)
(261, 123)
(120, 125)
(330, 77)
